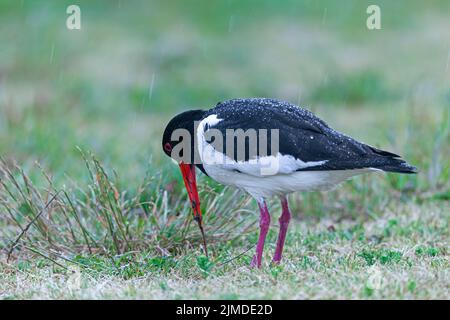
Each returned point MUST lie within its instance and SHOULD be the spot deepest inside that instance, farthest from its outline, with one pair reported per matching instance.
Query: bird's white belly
(281, 184)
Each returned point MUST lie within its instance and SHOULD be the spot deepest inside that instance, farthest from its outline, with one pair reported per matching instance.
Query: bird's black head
(185, 121)
(182, 127)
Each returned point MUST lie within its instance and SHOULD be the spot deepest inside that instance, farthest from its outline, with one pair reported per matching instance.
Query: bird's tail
(390, 162)
(397, 165)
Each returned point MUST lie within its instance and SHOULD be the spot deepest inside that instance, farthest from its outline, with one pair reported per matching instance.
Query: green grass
(80, 110)
(335, 267)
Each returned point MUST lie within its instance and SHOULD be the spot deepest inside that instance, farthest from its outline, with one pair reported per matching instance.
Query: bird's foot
(255, 263)
(276, 261)
(277, 256)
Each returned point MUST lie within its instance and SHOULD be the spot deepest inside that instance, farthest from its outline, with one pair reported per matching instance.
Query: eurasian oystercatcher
(268, 148)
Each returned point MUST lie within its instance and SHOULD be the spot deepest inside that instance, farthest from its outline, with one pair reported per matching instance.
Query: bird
(268, 148)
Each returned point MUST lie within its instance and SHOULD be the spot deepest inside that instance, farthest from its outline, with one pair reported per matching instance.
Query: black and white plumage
(303, 135)
(310, 154)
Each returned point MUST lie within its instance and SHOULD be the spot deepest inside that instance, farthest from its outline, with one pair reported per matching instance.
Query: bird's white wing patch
(261, 166)
(289, 164)
(268, 165)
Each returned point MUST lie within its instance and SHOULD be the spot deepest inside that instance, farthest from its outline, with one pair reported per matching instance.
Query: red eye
(167, 147)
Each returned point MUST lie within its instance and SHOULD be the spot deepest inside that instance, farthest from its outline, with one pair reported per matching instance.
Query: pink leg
(284, 223)
(264, 224)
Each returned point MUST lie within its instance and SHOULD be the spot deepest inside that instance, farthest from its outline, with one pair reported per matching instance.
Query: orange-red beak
(188, 172)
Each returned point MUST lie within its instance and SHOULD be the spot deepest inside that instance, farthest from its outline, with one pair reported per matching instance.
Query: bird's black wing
(301, 135)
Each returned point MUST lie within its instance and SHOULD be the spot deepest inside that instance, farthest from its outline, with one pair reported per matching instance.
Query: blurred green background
(112, 86)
